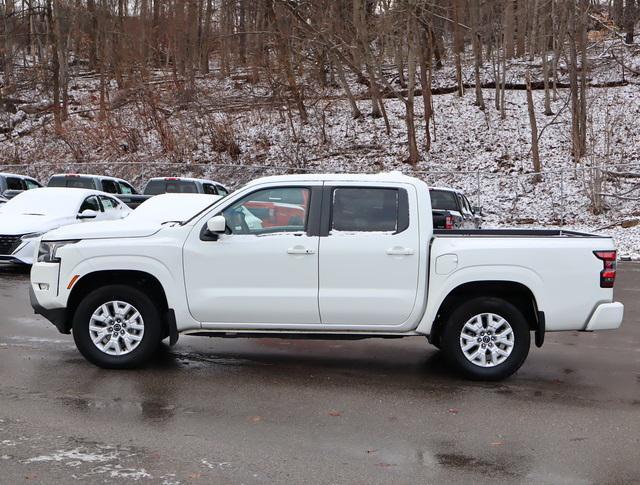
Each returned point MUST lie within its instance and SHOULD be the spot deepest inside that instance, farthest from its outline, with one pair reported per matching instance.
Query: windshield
(173, 207)
(42, 202)
(443, 200)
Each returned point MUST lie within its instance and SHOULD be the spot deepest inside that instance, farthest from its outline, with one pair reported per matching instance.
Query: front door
(369, 260)
(264, 269)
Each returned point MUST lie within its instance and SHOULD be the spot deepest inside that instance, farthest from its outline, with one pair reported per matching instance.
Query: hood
(15, 224)
(128, 227)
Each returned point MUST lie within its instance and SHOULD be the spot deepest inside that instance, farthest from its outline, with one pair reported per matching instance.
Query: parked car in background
(30, 214)
(122, 189)
(2, 200)
(452, 210)
(183, 185)
(12, 184)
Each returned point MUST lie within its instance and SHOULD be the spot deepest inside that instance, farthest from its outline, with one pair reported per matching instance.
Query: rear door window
(222, 191)
(364, 210)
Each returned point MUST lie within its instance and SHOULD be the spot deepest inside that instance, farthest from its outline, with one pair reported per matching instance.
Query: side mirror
(87, 214)
(217, 225)
(477, 210)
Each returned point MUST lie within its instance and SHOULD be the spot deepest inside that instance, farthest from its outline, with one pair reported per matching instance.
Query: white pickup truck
(320, 256)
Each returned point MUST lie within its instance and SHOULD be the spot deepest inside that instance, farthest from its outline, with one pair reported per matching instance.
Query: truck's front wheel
(486, 339)
(117, 326)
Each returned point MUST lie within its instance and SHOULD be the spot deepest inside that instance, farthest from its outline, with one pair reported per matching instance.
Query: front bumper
(607, 316)
(57, 316)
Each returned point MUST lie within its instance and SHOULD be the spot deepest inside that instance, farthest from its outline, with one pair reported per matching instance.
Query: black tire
(451, 347)
(152, 327)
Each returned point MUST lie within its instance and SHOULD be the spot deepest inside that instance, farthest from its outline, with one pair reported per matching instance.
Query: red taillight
(448, 222)
(72, 175)
(609, 266)
(171, 178)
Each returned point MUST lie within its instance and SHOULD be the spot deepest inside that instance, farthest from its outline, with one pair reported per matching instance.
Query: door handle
(399, 251)
(300, 250)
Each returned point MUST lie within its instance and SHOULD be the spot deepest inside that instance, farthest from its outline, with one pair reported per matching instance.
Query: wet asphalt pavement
(296, 411)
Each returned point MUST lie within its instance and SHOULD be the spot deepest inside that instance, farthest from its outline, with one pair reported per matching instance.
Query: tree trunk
(457, 46)
(425, 83)
(355, 111)
(477, 53)
(535, 154)
(630, 18)
(508, 31)
(410, 121)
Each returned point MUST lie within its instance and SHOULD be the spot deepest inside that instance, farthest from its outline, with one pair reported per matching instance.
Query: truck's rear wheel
(486, 339)
(117, 327)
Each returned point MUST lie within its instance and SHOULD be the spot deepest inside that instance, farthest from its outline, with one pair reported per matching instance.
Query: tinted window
(361, 209)
(443, 200)
(71, 181)
(14, 183)
(222, 191)
(181, 187)
(31, 184)
(262, 212)
(90, 203)
(126, 188)
(109, 186)
(209, 189)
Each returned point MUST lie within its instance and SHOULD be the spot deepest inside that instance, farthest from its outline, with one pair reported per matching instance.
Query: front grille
(8, 244)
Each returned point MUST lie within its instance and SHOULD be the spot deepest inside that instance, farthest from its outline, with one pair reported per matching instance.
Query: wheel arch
(135, 278)
(514, 292)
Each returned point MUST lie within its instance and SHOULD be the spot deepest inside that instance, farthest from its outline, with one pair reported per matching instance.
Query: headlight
(48, 249)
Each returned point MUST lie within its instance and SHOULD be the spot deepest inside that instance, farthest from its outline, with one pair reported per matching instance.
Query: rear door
(369, 254)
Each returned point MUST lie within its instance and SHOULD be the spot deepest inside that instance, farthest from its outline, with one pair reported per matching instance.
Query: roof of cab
(187, 179)
(342, 177)
(6, 174)
(65, 192)
(446, 189)
(88, 175)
